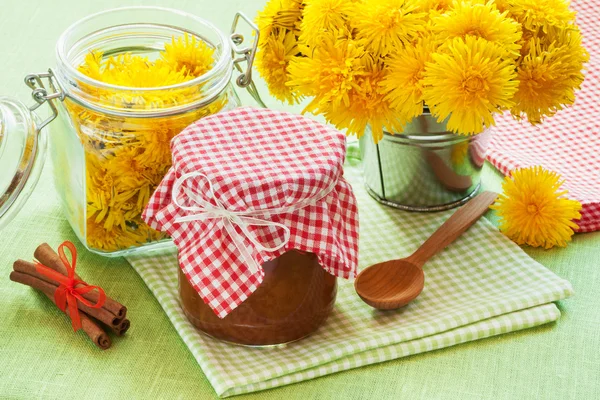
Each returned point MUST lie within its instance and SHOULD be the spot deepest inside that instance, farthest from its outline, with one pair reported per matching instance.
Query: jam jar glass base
(293, 301)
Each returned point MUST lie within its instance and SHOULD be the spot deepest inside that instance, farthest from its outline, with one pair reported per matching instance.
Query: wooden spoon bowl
(391, 284)
(395, 283)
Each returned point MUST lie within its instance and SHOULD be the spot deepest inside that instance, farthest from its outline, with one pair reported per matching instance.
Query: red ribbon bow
(70, 290)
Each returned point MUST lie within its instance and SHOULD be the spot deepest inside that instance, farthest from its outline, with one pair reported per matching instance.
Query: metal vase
(425, 168)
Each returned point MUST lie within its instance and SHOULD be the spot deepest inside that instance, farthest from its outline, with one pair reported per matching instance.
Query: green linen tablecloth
(40, 357)
(482, 285)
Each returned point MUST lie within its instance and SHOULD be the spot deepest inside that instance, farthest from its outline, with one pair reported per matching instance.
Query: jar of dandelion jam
(264, 223)
(126, 82)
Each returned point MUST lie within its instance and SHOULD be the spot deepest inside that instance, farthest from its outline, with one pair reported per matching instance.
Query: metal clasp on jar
(41, 94)
(247, 55)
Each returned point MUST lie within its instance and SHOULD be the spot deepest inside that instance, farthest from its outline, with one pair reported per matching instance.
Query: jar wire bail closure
(41, 94)
(244, 80)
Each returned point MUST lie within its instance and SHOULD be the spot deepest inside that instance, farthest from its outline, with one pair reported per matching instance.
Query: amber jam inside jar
(294, 299)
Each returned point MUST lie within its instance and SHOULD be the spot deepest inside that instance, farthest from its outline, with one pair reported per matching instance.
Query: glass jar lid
(22, 153)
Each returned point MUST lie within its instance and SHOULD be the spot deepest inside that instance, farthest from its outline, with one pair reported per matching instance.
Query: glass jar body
(111, 144)
(106, 168)
(294, 300)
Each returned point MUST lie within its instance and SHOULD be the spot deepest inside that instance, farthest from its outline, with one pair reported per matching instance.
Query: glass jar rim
(224, 61)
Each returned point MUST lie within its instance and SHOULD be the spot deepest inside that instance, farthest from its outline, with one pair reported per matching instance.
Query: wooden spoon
(395, 283)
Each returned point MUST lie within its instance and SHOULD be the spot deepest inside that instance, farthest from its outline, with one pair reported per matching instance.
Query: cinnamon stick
(120, 329)
(123, 327)
(29, 268)
(94, 332)
(91, 329)
(47, 256)
(35, 282)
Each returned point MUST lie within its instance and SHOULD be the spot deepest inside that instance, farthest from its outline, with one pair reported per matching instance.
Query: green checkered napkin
(482, 285)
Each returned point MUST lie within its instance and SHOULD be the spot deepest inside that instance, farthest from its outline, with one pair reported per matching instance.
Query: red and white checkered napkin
(569, 142)
(246, 186)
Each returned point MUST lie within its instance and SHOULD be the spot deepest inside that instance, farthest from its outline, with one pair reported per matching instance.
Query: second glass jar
(110, 144)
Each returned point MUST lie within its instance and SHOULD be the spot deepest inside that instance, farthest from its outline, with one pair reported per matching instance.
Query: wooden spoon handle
(455, 226)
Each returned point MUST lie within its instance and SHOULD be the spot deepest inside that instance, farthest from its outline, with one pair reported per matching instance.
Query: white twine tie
(203, 210)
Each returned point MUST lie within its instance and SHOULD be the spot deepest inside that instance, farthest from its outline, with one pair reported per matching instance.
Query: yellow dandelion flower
(322, 16)
(282, 14)
(272, 63)
(345, 85)
(533, 209)
(435, 7)
(540, 15)
(100, 184)
(367, 106)
(156, 143)
(549, 75)
(133, 71)
(481, 20)
(502, 5)
(99, 237)
(188, 54)
(92, 65)
(385, 26)
(183, 59)
(468, 83)
(403, 84)
(105, 194)
(329, 74)
(128, 165)
(137, 72)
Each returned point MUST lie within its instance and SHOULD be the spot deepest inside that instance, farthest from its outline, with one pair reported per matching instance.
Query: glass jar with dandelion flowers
(126, 82)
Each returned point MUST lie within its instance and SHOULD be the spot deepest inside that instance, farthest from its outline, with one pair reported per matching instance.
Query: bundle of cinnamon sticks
(112, 314)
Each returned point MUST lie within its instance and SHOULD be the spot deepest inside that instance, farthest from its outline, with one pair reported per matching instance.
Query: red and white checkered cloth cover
(569, 142)
(257, 159)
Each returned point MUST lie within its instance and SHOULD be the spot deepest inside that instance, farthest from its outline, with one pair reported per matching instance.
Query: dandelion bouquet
(383, 62)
